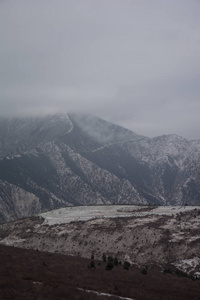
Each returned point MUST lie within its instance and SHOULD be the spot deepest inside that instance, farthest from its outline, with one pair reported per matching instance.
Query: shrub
(109, 266)
(144, 272)
(110, 259)
(126, 265)
(92, 265)
(167, 271)
(104, 258)
(116, 263)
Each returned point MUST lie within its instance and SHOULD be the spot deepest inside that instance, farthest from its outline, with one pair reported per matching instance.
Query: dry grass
(28, 274)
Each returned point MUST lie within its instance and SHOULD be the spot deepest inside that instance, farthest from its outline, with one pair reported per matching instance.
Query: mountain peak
(74, 159)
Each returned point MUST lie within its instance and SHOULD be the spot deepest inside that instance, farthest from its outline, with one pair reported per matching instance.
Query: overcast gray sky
(132, 62)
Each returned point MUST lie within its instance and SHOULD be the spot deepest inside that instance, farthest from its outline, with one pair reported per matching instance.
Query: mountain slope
(54, 161)
(160, 237)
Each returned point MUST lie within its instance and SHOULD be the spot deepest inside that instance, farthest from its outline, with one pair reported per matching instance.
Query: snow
(85, 213)
(172, 210)
(37, 282)
(12, 240)
(197, 274)
(105, 294)
(188, 265)
(116, 142)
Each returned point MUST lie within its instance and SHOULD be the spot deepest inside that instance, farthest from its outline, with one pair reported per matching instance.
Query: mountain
(61, 160)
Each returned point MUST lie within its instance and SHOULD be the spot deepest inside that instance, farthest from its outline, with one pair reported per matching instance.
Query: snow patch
(85, 213)
(105, 294)
(12, 241)
(188, 265)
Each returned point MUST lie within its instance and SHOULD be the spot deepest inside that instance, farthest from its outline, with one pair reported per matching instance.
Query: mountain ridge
(73, 159)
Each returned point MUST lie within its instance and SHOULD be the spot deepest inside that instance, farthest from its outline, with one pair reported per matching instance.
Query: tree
(116, 262)
(109, 266)
(126, 265)
(144, 271)
(104, 258)
(91, 265)
(110, 259)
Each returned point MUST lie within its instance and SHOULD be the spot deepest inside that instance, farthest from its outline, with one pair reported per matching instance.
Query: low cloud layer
(134, 63)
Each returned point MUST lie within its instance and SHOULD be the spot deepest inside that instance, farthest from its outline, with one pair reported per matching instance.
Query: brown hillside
(31, 275)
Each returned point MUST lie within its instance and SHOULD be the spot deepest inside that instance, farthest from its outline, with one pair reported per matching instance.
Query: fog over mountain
(57, 160)
(133, 63)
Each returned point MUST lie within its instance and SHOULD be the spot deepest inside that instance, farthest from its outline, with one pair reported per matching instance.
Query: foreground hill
(34, 275)
(157, 237)
(54, 161)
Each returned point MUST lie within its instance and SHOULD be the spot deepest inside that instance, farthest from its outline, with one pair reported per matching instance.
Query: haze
(134, 63)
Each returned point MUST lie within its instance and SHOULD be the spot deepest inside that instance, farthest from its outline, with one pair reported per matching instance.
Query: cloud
(135, 63)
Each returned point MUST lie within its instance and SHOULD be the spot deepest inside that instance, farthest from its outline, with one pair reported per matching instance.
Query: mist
(133, 63)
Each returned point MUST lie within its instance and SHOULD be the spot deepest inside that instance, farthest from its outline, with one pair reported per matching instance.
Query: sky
(135, 63)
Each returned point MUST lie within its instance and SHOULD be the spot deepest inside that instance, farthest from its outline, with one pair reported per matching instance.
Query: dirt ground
(29, 274)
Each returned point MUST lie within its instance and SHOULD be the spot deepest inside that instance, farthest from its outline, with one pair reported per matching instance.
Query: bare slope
(27, 274)
(161, 237)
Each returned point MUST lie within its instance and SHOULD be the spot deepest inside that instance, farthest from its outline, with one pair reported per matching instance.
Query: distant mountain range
(59, 160)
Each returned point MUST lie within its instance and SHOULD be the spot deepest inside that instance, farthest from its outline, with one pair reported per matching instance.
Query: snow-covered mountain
(54, 161)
